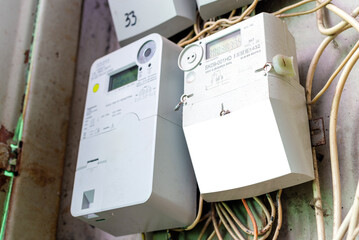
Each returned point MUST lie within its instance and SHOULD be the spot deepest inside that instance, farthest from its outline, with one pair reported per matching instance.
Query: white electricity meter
(214, 8)
(134, 19)
(245, 124)
(134, 173)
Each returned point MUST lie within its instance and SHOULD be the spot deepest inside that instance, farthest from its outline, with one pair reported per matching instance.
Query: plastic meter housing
(134, 172)
(214, 8)
(134, 19)
(245, 125)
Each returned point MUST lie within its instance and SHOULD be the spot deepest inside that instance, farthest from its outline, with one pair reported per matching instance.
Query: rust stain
(27, 54)
(5, 135)
(3, 181)
(39, 174)
(22, 103)
(4, 155)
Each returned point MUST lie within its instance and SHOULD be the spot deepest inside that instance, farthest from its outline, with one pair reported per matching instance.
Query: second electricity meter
(244, 111)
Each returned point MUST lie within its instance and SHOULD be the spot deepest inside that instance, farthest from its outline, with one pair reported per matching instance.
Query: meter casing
(246, 130)
(134, 172)
(134, 19)
(214, 8)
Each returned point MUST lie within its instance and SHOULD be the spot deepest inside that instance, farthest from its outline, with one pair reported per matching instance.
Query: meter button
(190, 57)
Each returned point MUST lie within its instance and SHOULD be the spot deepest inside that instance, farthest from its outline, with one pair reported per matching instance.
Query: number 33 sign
(131, 19)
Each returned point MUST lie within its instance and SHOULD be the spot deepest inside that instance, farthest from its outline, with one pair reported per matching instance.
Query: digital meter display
(223, 44)
(122, 78)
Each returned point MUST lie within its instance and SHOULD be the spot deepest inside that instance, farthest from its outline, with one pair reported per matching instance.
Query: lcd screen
(122, 78)
(223, 44)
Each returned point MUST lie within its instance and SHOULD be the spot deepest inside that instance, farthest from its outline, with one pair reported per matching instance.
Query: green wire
(19, 129)
(18, 133)
(7, 203)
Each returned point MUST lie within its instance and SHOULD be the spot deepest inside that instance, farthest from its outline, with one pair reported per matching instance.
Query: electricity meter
(134, 172)
(244, 111)
(134, 19)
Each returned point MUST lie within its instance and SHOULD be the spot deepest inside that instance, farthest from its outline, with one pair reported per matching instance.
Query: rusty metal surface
(17, 19)
(4, 156)
(98, 38)
(36, 193)
(317, 132)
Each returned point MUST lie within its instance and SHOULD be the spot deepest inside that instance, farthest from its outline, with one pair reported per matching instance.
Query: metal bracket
(317, 132)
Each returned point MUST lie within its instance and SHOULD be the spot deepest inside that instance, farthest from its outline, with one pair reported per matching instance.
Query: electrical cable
(356, 232)
(232, 13)
(333, 142)
(189, 35)
(197, 219)
(214, 232)
(239, 223)
(280, 213)
(336, 191)
(321, 5)
(344, 226)
(214, 221)
(355, 215)
(235, 229)
(345, 16)
(290, 7)
(243, 227)
(316, 183)
(336, 72)
(333, 122)
(206, 30)
(205, 216)
(336, 28)
(204, 228)
(266, 232)
(254, 223)
(228, 228)
(266, 213)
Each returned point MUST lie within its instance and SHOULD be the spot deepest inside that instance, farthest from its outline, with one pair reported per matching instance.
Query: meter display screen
(223, 44)
(122, 78)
